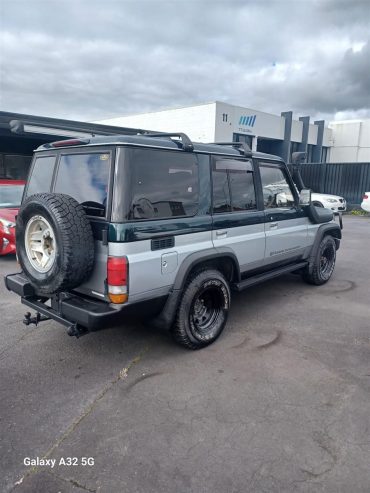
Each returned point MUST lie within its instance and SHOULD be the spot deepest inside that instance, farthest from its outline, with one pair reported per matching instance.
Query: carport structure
(20, 134)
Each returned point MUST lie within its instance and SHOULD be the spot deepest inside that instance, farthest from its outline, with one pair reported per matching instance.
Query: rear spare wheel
(55, 244)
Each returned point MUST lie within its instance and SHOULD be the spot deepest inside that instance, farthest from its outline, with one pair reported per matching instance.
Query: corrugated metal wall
(350, 180)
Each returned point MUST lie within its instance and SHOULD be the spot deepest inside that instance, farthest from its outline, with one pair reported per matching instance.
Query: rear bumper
(71, 309)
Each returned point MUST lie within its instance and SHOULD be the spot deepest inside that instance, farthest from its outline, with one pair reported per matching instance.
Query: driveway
(279, 403)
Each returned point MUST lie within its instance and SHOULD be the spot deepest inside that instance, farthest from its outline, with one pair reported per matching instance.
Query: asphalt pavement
(280, 403)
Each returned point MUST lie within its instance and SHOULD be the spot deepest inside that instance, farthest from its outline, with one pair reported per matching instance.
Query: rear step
(252, 281)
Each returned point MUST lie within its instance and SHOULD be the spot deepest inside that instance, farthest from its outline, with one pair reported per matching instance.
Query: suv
(154, 224)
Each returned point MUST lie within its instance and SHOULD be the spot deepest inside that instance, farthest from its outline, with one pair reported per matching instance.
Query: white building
(223, 122)
(351, 141)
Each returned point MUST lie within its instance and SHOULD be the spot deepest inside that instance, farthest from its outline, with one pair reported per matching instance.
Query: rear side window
(85, 177)
(163, 184)
(41, 175)
(233, 186)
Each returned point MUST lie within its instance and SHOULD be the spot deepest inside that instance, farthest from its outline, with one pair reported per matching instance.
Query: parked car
(11, 192)
(154, 224)
(365, 205)
(332, 202)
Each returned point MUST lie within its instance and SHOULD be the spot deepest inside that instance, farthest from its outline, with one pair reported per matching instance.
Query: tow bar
(73, 330)
(28, 319)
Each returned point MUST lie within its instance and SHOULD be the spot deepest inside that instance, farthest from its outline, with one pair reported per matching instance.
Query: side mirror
(305, 197)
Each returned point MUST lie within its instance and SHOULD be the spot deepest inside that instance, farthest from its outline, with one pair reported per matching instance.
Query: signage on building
(247, 121)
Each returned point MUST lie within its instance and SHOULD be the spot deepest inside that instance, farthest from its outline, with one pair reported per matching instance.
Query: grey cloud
(91, 59)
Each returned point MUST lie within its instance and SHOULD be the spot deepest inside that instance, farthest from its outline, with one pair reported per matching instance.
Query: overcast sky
(90, 60)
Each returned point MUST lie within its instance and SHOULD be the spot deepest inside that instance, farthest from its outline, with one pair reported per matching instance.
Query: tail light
(117, 279)
(365, 197)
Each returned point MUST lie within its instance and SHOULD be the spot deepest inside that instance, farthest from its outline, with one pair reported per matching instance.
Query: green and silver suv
(154, 224)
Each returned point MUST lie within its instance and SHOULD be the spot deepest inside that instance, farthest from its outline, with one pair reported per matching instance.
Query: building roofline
(157, 111)
(15, 123)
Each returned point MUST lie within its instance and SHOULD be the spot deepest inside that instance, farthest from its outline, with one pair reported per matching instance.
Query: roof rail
(187, 144)
(242, 147)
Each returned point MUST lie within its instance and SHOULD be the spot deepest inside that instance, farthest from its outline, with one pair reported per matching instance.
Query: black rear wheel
(203, 310)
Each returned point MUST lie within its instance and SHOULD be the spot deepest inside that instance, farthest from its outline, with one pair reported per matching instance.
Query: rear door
(286, 224)
(85, 174)
(160, 215)
(238, 218)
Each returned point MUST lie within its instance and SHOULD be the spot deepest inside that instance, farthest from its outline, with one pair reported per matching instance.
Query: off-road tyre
(74, 242)
(323, 264)
(203, 309)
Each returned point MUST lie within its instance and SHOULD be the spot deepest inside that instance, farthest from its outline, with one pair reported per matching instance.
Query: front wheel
(203, 310)
(324, 263)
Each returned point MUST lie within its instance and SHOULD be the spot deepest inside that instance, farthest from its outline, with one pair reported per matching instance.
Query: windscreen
(11, 196)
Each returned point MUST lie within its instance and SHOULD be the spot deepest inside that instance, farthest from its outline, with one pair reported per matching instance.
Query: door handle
(221, 234)
(273, 225)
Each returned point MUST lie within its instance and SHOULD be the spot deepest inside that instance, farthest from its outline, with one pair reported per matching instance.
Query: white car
(332, 202)
(365, 205)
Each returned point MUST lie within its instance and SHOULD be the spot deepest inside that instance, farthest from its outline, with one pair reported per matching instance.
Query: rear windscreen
(85, 177)
(41, 175)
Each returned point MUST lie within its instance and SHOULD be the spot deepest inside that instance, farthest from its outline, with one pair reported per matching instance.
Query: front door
(286, 224)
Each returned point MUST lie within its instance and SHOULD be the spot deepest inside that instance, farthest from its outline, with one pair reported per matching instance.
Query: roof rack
(242, 147)
(187, 144)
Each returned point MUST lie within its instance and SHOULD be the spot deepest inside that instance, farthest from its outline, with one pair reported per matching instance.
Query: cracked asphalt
(280, 403)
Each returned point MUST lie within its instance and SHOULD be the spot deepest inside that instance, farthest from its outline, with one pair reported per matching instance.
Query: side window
(221, 191)
(164, 184)
(41, 175)
(233, 186)
(276, 189)
(85, 177)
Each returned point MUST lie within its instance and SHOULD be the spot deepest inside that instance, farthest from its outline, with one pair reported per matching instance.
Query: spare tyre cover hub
(40, 243)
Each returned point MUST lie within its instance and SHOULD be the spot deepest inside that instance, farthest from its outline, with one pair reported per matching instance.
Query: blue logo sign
(248, 121)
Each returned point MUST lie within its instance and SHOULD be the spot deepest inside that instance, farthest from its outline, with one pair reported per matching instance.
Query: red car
(11, 192)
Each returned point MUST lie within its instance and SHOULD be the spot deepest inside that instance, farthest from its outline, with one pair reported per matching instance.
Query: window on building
(14, 166)
(224, 117)
(324, 154)
(85, 177)
(309, 153)
(233, 186)
(294, 147)
(247, 139)
(163, 184)
(275, 187)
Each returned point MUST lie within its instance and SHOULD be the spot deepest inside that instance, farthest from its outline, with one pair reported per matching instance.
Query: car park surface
(280, 403)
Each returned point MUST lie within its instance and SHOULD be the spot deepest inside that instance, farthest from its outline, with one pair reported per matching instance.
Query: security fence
(350, 180)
